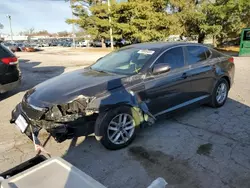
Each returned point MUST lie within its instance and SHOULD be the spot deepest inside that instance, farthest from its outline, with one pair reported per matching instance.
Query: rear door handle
(184, 75)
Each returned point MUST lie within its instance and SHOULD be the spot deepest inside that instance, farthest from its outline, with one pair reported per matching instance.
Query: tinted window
(5, 52)
(208, 53)
(173, 57)
(196, 54)
(216, 54)
(246, 36)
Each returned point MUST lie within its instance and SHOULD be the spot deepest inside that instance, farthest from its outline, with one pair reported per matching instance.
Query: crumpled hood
(66, 87)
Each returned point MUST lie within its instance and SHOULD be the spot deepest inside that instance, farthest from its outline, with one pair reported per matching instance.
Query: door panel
(201, 70)
(202, 79)
(167, 90)
(172, 88)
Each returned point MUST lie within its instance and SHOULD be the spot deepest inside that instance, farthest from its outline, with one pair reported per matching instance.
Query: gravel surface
(203, 147)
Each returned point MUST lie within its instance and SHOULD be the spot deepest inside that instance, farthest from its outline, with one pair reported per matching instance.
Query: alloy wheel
(121, 128)
(221, 93)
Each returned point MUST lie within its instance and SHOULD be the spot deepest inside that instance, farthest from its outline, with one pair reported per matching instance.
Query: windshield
(125, 61)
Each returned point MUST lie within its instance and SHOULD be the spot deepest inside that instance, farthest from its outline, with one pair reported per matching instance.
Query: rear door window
(196, 54)
(216, 54)
(173, 57)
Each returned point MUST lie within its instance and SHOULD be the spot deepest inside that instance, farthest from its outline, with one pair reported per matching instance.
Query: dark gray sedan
(124, 90)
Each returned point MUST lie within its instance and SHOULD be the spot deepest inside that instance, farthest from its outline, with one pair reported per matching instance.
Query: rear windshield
(246, 36)
(5, 52)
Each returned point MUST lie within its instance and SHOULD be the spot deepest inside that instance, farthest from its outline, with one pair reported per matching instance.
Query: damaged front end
(62, 121)
(76, 117)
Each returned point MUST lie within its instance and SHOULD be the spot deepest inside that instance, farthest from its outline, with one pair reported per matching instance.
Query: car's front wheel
(118, 127)
(220, 93)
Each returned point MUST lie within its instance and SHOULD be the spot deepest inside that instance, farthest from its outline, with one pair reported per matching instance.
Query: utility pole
(11, 33)
(73, 25)
(110, 25)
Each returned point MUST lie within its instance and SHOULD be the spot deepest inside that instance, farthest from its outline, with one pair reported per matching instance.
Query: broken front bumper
(60, 131)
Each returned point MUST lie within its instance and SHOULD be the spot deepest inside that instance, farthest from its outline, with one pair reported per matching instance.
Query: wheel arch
(102, 115)
(111, 101)
(227, 79)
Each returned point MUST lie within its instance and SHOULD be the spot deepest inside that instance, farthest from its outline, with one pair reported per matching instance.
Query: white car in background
(84, 43)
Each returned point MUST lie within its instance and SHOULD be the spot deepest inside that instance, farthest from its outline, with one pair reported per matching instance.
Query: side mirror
(161, 68)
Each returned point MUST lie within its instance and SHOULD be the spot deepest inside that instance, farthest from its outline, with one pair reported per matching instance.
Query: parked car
(97, 43)
(67, 44)
(53, 43)
(60, 43)
(122, 42)
(125, 89)
(20, 46)
(12, 47)
(84, 43)
(28, 48)
(118, 43)
(108, 43)
(10, 74)
(45, 44)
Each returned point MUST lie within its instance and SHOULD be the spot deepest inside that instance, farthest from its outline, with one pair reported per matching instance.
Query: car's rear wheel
(118, 127)
(220, 93)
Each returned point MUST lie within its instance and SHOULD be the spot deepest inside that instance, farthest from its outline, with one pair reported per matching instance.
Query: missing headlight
(53, 114)
(77, 106)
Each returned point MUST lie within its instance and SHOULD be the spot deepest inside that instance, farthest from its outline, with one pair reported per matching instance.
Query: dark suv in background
(10, 75)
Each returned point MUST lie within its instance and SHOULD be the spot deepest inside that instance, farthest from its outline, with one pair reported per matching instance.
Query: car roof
(161, 45)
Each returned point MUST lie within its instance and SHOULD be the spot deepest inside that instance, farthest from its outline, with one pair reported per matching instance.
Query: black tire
(104, 120)
(214, 102)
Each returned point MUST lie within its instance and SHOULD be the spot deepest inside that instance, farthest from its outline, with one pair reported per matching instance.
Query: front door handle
(184, 75)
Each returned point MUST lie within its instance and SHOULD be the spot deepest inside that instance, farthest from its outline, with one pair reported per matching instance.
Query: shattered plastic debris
(68, 112)
(158, 183)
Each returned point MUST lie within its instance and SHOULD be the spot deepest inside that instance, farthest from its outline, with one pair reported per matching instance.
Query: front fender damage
(77, 117)
(119, 98)
(65, 121)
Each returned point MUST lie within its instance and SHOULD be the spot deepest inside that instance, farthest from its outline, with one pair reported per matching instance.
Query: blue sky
(40, 14)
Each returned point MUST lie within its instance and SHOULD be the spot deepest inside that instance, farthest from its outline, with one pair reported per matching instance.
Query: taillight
(9, 60)
(231, 60)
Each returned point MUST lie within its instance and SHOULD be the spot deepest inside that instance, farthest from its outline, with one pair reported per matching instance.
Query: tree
(1, 26)
(149, 20)
(134, 20)
(32, 32)
(221, 19)
(39, 33)
(96, 24)
(27, 32)
(141, 20)
(63, 34)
